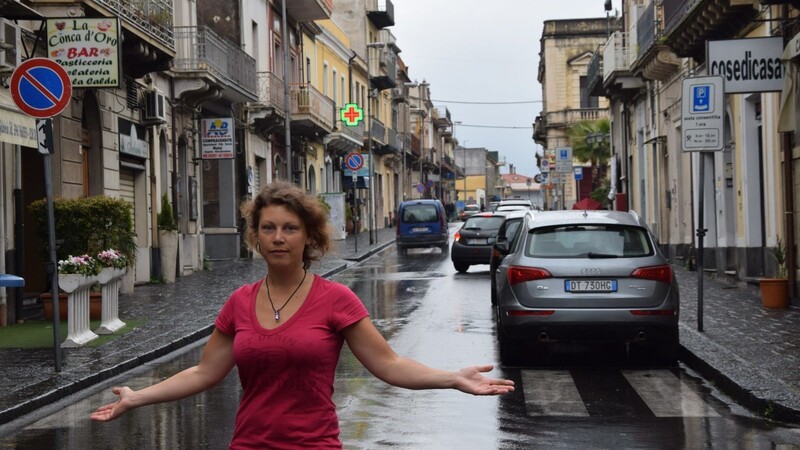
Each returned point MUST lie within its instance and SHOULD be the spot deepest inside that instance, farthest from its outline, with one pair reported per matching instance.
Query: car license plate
(590, 285)
(477, 241)
(420, 230)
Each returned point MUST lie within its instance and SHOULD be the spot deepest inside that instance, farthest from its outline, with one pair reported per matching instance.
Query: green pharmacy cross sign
(351, 114)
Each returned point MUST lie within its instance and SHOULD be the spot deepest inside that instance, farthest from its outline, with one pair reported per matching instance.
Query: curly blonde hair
(300, 202)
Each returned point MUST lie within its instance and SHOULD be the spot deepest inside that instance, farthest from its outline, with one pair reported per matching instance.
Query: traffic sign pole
(41, 88)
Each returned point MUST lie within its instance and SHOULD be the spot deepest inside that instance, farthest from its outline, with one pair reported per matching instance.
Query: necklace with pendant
(269, 297)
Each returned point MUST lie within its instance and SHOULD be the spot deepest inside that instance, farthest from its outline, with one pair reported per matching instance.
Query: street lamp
(371, 170)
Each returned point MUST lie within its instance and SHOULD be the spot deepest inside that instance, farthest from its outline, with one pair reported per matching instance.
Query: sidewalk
(174, 315)
(748, 351)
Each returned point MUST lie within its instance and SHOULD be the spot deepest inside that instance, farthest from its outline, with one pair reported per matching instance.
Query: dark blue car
(421, 224)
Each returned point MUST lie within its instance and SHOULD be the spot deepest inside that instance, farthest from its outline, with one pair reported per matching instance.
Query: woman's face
(282, 237)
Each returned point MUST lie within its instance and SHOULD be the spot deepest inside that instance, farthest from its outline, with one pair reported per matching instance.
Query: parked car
(514, 204)
(468, 211)
(472, 243)
(504, 244)
(586, 276)
(420, 224)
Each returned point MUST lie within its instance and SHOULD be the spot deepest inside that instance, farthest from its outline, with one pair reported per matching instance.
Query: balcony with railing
(441, 117)
(345, 139)
(377, 131)
(414, 145)
(689, 24)
(382, 67)
(312, 111)
(308, 10)
(268, 112)
(594, 75)
(381, 13)
(218, 61)
(654, 60)
(567, 117)
(618, 80)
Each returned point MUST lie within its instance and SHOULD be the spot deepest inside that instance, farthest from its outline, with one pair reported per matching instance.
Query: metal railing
(154, 17)
(199, 48)
(616, 55)
(307, 100)
(270, 91)
(675, 11)
(646, 30)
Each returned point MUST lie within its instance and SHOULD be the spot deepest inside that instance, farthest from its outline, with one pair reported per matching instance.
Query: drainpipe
(788, 182)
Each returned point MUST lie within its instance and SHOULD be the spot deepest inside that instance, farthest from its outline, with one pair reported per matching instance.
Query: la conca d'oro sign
(747, 65)
(87, 48)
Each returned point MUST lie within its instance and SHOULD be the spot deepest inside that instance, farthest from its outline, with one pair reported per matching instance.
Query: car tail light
(495, 253)
(457, 236)
(655, 273)
(517, 274)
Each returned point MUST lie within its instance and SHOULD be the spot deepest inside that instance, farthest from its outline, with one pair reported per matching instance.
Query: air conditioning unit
(399, 94)
(9, 39)
(154, 107)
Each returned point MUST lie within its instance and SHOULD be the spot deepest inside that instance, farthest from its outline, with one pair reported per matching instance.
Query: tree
(591, 142)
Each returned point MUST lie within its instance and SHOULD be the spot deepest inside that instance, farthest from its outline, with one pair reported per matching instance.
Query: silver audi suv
(588, 277)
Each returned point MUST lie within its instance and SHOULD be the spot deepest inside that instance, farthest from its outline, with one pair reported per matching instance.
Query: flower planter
(774, 292)
(110, 281)
(95, 306)
(168, 246)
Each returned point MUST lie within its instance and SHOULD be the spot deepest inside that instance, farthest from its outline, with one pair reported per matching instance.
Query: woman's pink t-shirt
(287, 373)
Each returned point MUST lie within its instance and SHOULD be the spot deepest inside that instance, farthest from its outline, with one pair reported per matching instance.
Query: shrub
(166, 220)
(87, 226)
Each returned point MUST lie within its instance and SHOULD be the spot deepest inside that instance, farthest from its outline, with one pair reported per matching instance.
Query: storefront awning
(787, 118)
(15, 127)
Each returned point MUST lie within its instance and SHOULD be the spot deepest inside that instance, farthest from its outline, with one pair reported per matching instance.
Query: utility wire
(494, 126)
(487, 103)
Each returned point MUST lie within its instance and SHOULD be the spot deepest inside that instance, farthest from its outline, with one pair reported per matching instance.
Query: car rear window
(588, 241)
(419, 214)
(472, 208)
(483, 223)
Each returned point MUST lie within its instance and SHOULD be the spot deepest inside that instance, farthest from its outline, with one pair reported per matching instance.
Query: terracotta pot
(95, 306)
(774, 292)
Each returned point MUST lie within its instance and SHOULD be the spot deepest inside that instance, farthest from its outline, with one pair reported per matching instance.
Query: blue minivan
(421, 223)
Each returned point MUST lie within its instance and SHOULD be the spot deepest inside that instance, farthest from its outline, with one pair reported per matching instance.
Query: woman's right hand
(116, 409)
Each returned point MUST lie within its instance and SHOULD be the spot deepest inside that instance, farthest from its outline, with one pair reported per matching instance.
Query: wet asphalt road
(587, 398)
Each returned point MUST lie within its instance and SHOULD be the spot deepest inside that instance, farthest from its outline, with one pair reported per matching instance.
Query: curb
(59, 393)
(737, 382)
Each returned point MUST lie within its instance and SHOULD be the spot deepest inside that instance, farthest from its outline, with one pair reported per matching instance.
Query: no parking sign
(40, 88)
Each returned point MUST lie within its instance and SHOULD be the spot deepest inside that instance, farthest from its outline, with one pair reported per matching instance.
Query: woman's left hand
(470, 380)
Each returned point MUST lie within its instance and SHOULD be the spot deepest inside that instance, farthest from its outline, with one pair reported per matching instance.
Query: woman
(285, 332)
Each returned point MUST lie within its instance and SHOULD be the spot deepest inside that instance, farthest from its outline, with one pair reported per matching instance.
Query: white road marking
(666, 395)
(552, 393)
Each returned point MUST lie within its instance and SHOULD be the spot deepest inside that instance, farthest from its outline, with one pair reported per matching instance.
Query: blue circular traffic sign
(40, 87)
(354, 161)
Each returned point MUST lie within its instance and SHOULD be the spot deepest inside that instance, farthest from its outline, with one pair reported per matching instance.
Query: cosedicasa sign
(747, 65)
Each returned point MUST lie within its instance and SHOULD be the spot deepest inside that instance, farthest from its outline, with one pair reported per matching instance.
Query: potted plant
(75, 272)
(775, 291)
(167, 240)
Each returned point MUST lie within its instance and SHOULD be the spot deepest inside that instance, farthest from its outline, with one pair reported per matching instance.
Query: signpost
(701, 128)
(354, 161)
(42, 89)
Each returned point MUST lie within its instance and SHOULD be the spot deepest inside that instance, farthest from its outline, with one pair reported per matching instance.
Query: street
(585, 398)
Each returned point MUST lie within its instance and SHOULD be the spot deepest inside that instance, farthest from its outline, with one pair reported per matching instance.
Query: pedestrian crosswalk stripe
(666, 395)
(563, 393)
(552, 393)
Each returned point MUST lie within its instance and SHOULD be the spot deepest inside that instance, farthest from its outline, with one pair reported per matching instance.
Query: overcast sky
(480, 53)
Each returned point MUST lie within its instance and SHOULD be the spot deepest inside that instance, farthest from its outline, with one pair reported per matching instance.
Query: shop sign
(129, 141)
(87, 48)
(217, 138)
(747, 65)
